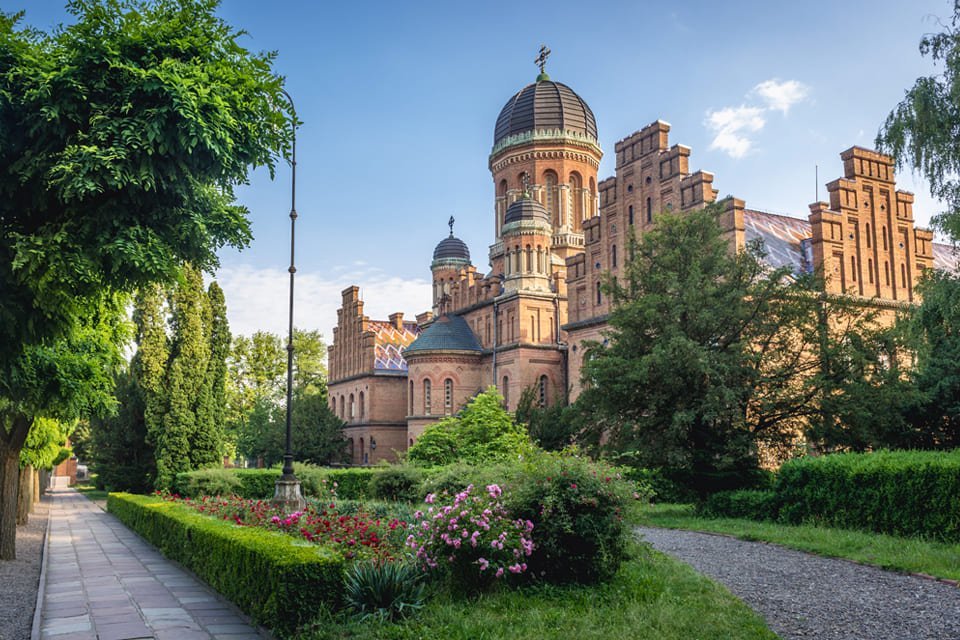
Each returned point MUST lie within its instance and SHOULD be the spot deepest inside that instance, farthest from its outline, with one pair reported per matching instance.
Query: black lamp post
(287, 491)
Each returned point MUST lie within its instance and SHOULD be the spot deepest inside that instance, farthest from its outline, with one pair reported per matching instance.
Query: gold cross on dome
(450, 222)
(541, 60)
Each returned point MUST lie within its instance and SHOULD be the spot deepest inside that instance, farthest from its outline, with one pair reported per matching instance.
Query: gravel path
(19, 578)
(806, 596)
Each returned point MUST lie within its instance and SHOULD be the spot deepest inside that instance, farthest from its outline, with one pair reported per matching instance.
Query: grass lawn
(653, 596)
(890, 552)
(90, 491)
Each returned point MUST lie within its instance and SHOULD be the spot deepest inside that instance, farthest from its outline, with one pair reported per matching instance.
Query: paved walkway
(806, 596)
(102, 582)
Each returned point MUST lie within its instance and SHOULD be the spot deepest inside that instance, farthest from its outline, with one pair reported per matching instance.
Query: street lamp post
(287, 494)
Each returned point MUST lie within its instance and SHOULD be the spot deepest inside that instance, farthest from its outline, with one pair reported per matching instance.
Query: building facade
(522, 322)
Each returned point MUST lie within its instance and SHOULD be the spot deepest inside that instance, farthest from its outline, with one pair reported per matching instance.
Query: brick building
(557, 228)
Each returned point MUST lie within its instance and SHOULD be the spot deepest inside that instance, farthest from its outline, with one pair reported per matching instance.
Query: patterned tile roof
(785, 239)
(390, 344)
(787, 242)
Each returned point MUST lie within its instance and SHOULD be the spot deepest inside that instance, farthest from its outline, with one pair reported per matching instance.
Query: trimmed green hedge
(905, 493)
(277, 582)
(745, 503)
(258, 484)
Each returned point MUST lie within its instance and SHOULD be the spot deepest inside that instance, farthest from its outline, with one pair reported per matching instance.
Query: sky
(399, 99)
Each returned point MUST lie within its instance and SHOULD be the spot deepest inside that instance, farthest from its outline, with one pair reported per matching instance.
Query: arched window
(869, 240)
(426, 397)
(502, 189)
(343, 414)
(649, 210)
(552, 199)
(542, 392)
(533, 329)
(362, 408)
(506, 390)
(613, 255)
(353, 408)
(576, 196)
(529, 264)
(884, 231)
(516, 260)
(447, 397)
(903, 275)
(410, 400)
(599, 298)
(630, 214)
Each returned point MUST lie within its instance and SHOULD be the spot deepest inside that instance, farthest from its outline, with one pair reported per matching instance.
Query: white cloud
(780, 96)
(257, 299)
(731, 126)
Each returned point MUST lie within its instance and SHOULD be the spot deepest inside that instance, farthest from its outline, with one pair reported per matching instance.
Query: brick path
(102, 582)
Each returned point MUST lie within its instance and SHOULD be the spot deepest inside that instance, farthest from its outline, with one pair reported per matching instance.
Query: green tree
(482, 432)
(923, 131)
(122, 138)
(934, 328)
(693, 370)
(215, 381)
(122, 456)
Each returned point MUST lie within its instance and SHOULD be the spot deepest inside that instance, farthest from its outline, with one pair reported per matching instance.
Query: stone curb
(42, 582)
(925, 576)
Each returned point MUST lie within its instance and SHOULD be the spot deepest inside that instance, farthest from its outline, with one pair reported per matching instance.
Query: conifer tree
(187, 369)
(149, 368)
(211, 401)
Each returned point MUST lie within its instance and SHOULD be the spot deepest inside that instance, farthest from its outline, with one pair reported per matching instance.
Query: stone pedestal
(287, 496)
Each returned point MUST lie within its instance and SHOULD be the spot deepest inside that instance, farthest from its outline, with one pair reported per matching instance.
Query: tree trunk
(36, 488)
(10, 444)
(24, 489)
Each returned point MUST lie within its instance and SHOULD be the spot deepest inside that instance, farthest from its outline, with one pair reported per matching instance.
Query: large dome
(545, 105)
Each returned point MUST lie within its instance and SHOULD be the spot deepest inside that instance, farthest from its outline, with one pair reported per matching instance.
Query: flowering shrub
(580, 510)
(473, 537)
(354, 535)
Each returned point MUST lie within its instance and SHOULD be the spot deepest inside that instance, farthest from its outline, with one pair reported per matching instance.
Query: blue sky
(399, 100)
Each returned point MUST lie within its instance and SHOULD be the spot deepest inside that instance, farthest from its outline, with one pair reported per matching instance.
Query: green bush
(907, 493)
(208, 482)
(397, 482)
(277, 581)
(745, 503)
(456, 477)
(580, 513)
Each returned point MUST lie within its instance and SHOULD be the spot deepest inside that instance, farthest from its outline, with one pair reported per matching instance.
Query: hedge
(907, 493)
(745, 503)
(277, 582)
(258, 484)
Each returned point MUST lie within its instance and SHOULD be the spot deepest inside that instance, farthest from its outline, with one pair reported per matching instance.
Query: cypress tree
(211, 401)
(189, 356)
(149, 368)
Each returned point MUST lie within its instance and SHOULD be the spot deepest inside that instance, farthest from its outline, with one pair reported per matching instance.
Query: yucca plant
(384, 590)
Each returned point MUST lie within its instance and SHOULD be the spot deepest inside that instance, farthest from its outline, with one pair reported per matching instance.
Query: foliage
(580, 510)
(256, 409)
(384, 590)
(653, 596)
(44, 446)
(397, 482)
(896, 492)
(121, 455)
(922, 131)
(258, 484)
(472, 537)
(745, 503)
(934, 329)
(553, 427)
(482, 432)
(909, 555)
(268, 575)
(210, 482)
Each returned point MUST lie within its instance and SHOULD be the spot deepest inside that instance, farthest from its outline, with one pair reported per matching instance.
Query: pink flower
(500, 572)
(484, 563)
(494, 490)
(430, 498)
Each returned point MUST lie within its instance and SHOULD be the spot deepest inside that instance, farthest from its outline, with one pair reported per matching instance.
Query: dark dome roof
(545, 105)
(451, 333)
(525, 209)
(451, 248)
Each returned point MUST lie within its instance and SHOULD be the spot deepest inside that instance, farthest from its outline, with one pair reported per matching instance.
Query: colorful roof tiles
(390, 343)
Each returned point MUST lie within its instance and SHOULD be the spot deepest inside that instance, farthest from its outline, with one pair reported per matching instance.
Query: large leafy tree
(923, 131)
(122, 138)
(715, 363)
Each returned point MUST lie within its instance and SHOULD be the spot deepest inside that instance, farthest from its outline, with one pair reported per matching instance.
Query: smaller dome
(525, 208)
(452, 248)
(446, 333)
